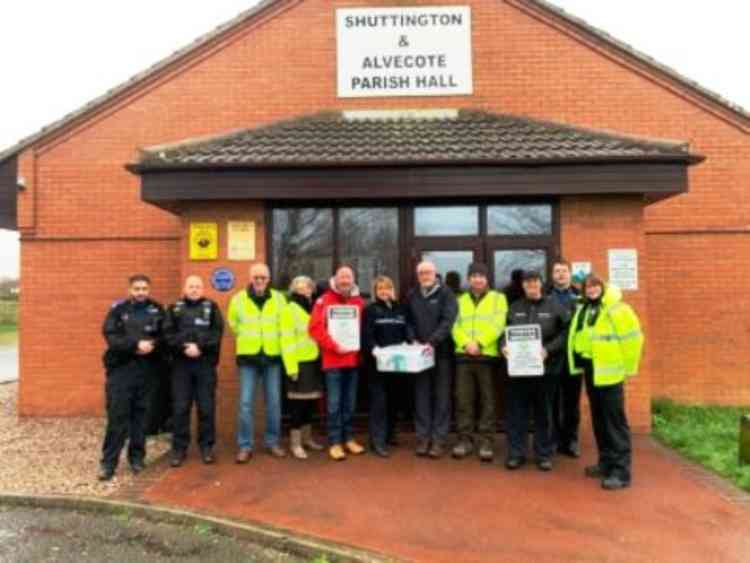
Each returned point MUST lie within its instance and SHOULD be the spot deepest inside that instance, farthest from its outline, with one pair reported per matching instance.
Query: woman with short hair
(384, 325)
(300, 354)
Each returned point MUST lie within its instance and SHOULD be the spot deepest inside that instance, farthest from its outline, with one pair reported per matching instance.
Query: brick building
(496, 130)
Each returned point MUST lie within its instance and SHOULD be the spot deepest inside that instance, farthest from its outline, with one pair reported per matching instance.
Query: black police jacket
(126, 324)
(199, 322)
(552, 318)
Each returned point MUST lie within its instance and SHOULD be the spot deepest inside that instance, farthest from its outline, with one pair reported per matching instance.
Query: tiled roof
(740, 113)
(434, 137)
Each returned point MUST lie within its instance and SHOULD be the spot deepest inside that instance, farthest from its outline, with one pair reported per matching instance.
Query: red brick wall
(228, 381)
(524, 63)
(591, 226)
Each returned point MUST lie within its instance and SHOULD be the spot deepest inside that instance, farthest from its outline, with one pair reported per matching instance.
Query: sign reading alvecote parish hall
(423, 51)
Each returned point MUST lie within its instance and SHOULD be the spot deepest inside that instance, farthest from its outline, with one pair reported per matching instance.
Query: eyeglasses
(260, 278)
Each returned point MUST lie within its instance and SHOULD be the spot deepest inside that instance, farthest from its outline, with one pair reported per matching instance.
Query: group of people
(592, 335)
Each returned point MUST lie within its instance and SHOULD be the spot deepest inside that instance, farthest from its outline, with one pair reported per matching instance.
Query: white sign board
(344, 326)
(424, 51)
(524, 350)
(623, 268)
(241, 237)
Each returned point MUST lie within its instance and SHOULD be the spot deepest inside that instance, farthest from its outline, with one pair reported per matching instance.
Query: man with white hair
(255, 318)
(193, 330)
(432, 312)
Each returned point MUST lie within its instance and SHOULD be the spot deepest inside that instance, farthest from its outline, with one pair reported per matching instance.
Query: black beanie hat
(477, 268)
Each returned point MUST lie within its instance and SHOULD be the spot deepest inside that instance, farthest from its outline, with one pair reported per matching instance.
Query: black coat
(385, 326)
(125, 325)
(432, 318)
(194, 321)
(560, 361)
(553, 320)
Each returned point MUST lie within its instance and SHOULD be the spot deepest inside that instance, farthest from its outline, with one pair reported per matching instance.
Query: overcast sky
(56, 56)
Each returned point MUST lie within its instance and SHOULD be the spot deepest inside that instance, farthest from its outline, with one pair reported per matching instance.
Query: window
(519, 220)
(446, 221)
(311, 241)
(302, 244)
(508, 260)
(368, 240)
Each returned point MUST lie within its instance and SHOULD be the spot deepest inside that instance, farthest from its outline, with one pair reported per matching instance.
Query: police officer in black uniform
(133, 330)
(193, 332)
(524, 394)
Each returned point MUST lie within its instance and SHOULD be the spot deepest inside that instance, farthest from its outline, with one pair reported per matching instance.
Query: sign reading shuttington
(423, 51)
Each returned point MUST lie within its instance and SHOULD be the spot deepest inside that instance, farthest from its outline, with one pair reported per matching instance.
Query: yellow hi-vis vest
(482, 323)
(296, 344)
(256, 329)
(616, 341)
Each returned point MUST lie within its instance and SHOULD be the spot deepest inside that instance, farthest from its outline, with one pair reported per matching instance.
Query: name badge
(202, 322)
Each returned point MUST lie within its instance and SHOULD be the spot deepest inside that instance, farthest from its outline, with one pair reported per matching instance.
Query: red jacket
(319, 331)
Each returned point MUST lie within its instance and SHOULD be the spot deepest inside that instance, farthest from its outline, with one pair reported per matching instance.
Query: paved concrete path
(449, 510)
(35, 534)
(8, 364)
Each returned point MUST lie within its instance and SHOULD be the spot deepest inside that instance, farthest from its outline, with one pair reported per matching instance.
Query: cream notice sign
(423, 51)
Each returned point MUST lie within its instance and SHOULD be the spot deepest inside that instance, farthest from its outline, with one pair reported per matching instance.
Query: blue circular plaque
(222, 279)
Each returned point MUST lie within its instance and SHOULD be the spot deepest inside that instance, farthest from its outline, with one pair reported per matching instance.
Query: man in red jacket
(336, 327)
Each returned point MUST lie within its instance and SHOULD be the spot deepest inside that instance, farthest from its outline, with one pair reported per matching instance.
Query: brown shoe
(354, 447)
(337, 453)
(437, 450)
(243, 456)
(277, 451)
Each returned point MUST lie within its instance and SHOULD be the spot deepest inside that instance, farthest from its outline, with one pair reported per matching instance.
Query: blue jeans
(271, 376)
(341, 392)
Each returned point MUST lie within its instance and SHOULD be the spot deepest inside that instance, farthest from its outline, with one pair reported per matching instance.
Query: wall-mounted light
(21, 183)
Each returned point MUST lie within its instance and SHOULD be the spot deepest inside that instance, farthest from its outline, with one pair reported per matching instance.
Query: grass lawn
(8, 335)
(708, 435)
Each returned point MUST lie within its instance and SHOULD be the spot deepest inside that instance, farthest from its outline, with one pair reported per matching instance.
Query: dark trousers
(472, 379)
(432, 401)
(383, 406)
(125, 392)
(159, 405)
(524, 396)
(301, 412)
(611, 429)
(566, 409)
(194, 381)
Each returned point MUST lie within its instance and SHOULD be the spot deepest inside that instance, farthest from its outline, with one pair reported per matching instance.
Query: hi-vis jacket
(483, 322)
(256, 330)
(614, 342)
(296, 344)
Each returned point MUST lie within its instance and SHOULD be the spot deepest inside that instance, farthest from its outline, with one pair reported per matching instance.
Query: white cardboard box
(405, 358)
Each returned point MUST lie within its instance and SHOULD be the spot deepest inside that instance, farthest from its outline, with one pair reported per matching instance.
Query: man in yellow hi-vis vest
(480, 323)
(255, 318)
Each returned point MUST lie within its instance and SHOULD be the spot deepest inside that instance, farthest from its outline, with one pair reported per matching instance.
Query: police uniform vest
(613, 343)
(296, 344)
(125, 325)
(482, 322)
(193, 320)
(256, 330)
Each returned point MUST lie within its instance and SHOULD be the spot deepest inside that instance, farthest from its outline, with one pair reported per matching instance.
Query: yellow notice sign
(204, 241)
(241, 236)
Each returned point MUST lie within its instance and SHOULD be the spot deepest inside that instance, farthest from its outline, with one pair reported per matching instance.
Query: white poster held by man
(344, 326)
(524, 350)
